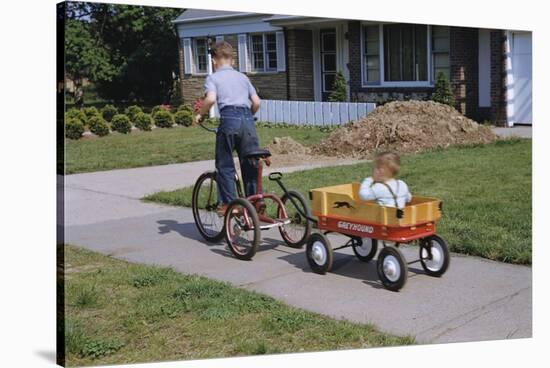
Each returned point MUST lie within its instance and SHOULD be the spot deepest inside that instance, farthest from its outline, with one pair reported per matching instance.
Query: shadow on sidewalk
(346, 265)
(186, 230)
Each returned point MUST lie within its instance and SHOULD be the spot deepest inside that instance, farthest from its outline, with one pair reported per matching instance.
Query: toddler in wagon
(383, 185)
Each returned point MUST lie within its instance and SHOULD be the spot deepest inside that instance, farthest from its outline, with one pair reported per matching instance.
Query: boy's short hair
(222, 49)
(389, 160)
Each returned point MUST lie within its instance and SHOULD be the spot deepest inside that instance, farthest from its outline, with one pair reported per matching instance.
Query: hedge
(108, 112)
(132, 111)
(120, 123)
(98, 126)
(74, 128)
(184, 118)
(163, 119)
(143, 121)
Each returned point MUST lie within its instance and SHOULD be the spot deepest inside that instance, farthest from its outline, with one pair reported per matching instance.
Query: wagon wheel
(364, 248)
(296, 233)
(242, 229)
(434, 255)
(392, 268)
(319, 253)
(204, 204)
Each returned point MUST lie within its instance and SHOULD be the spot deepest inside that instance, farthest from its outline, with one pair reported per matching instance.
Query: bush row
(102, 121)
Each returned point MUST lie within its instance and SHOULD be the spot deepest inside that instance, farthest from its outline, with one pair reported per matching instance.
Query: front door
(328, 60)
(522, 75)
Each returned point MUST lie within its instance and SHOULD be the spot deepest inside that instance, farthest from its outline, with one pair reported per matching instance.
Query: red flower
(197, 105)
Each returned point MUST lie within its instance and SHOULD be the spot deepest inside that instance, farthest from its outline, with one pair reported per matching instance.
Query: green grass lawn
(118, 312)
(486, 192)
(162, 146)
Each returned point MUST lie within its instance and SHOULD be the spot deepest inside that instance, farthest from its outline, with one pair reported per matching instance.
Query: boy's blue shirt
(232, 87)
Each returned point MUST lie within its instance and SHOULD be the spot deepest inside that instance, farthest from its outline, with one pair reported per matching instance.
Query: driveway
(475, 300)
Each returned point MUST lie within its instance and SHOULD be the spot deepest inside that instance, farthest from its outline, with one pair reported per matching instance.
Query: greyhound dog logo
(342, 204)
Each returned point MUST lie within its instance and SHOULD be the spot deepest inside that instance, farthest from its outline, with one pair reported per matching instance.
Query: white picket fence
(311, 112)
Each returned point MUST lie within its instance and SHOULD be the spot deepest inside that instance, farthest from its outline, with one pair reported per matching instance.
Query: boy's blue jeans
(236, 132)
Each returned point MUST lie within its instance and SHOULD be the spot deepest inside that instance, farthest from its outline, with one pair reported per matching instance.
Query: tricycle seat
(258, 153)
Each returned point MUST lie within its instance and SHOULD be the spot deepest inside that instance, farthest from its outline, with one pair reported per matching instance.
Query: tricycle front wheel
(392, 268)
(434, 255)
(295, 233)
(319, 253)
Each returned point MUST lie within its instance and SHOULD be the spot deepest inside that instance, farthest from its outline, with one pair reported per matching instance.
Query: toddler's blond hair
(389, 160)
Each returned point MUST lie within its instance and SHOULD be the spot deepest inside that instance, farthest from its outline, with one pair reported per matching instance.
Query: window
(440, 51)
(201, 52)
(405, 50)
(400, 54)
(371, 55)
(328, 59)
(263, 52)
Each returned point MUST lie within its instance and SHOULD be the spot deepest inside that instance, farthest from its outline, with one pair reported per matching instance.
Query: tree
(140, 45)
(339, 90)
(84, 58)
(443, 93)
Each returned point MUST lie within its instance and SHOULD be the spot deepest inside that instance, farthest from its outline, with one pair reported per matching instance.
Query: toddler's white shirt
(379, 192)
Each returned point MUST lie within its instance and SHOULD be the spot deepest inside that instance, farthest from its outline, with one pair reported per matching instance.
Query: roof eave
(206, 19)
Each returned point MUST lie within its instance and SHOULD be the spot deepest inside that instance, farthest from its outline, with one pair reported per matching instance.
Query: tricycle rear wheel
(392, 268)
(364, 248)
(242, 229)
(434, 255)
(319, 253)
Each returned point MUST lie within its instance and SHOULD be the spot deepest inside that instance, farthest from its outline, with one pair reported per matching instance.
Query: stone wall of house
(270, 86)
(463, 59)
(498, 78)
(300, 64)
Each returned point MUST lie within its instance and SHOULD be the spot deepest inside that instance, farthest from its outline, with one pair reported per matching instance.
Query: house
(291, 57)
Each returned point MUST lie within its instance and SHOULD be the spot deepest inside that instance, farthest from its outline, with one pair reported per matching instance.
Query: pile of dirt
(404, 126)
(287, 145)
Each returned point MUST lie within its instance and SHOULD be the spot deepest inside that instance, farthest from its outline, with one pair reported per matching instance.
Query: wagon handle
(276, 176)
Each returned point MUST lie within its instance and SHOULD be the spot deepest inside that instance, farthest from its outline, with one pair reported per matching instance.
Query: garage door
(522, 74)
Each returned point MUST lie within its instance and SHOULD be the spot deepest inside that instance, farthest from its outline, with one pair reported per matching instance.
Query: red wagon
(339, 210)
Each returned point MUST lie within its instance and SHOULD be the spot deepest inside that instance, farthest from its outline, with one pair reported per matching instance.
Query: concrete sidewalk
(475, 300)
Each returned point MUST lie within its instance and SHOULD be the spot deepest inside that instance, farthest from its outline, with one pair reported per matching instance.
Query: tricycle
(246, 217)
(339, 209)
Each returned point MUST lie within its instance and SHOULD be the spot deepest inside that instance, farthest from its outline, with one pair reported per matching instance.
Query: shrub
(98, 126)
(184, 118)
(158, 108)
(74, 128)
(143, 121)
(121, 124)
(185, 108)
(163, 119)
(108, 112)
(132, 111)
(90, 112)
(443, 93)
(74, 113)
(339, 91)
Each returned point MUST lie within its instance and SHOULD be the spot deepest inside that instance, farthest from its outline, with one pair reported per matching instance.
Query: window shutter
(219, 39)
(243, 53)
(187, 56)
(281, 57)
